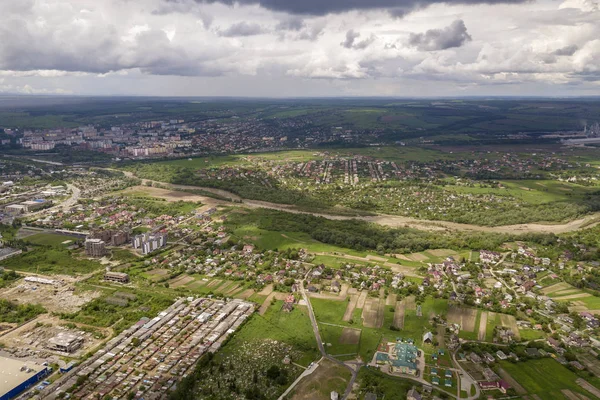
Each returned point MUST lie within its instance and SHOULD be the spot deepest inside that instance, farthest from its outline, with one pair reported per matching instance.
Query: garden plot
(362, 298)
(399, 314)
(373, 312)
(556, 287)
(266, 290)
(245, 294)
(157, 274)
(214, 283)
(509, 321)
(350, 307)
(265, 305)
(465, 317)
(180, 281)
(482, 326)
(391, 300)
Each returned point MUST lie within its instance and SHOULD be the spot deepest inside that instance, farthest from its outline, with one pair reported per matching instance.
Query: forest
(361, 235)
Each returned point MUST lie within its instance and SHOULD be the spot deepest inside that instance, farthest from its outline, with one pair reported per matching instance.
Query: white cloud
(90, 47)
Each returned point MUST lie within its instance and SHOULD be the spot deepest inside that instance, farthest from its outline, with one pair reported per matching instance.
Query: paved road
(71, 201)
(467, 377)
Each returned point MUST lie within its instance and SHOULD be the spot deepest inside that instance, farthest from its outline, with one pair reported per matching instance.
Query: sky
(300, 48)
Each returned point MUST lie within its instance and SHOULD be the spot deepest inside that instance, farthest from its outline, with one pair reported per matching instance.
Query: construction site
(48, 337)
(56, 294)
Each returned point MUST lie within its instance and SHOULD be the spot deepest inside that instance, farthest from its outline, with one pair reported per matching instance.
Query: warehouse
(18, 375)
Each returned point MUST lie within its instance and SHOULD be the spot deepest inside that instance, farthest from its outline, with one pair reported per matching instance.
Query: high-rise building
(95, 247)
(149, 242)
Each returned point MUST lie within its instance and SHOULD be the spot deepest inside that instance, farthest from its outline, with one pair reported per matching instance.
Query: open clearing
(350, 336)
(168, 195)
(328, 377)
(465, 317)
(546, 378)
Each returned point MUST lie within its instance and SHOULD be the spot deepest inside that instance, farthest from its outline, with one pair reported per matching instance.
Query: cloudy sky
(289, 48)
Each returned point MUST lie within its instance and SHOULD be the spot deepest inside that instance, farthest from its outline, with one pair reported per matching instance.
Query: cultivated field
(465, 317)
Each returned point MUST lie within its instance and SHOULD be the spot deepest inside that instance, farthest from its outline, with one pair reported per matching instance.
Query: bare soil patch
(410, 303)
(372, 314)
(267, 303)
(59, 298)
(33, 337)
(391, 300)
(399, 314)
(266, 290)
(245, 294)
(214, 283)
(510, 321)
(362, 298)
(556, 287)
(180, 281)
(482, 326)
(232, 290)
(573, 296)
(589, 387)
(418, 257)
(350, 308)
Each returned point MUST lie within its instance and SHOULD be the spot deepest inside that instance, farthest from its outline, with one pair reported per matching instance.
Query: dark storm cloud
(566, 51)
(243, 29)
(451, 36)
(351, 43)
(322, 7)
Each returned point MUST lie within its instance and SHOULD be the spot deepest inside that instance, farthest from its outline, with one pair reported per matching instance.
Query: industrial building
(65, 342)
(18, 375)
(149, 242)
(95, 247)
(120, 277)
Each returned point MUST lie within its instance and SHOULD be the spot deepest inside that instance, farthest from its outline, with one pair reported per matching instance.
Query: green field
(49, 239)
(545, 377)
(293, 328)
(332, 312)
(51, 261)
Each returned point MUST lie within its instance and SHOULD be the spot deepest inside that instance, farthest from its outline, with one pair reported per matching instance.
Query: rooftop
(13, 373)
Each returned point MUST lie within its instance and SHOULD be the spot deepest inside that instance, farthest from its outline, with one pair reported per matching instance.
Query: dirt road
(400, 221)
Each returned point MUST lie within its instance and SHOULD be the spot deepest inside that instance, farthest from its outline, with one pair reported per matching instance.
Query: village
(107, 256)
